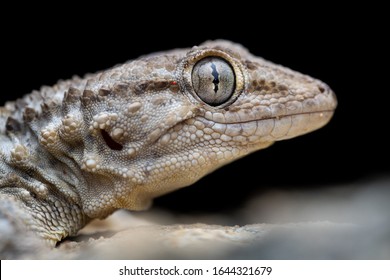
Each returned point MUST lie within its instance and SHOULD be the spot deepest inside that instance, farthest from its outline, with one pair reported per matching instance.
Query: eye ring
(213, 68)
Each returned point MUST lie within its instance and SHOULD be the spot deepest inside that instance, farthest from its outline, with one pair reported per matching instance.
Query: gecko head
(252, 98)
(163, 121)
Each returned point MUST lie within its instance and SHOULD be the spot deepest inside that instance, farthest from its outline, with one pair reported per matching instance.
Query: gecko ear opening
(111, 143)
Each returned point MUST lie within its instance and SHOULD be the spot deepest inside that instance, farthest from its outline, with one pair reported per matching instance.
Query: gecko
(85, 147)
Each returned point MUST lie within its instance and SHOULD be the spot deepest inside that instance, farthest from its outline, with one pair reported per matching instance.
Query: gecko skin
(116, 139)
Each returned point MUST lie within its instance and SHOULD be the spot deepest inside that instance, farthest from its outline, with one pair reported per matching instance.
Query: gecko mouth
(258, 124)
(252, 131)
(278, 117)
(264, 130)
(274, 122)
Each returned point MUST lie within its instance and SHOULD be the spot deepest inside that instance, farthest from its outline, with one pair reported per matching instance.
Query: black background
(344, 48)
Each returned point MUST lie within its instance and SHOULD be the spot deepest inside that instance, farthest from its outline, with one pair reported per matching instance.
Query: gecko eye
(213, 80)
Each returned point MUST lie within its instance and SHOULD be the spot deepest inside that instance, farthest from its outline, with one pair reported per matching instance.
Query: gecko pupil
(213, 80)
(215, 75)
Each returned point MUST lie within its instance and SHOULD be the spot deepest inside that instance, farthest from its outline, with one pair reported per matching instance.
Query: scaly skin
(85, 147)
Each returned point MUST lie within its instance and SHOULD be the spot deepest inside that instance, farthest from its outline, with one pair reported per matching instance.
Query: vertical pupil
(213, 80)
(215, 75)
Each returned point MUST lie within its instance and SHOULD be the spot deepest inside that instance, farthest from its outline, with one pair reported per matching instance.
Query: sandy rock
(342, 222)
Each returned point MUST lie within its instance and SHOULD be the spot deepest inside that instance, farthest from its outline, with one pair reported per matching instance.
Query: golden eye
(213, 80)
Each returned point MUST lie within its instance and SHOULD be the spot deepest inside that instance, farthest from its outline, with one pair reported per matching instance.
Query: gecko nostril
(110, 142)
(321, 89)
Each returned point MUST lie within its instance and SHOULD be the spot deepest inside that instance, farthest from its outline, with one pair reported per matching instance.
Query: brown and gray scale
(116, 139)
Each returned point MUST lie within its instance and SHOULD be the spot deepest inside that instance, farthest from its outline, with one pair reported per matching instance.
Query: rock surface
(201, 241)
(344, 222)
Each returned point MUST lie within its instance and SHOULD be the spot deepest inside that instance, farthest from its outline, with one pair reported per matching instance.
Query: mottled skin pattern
(85, 147)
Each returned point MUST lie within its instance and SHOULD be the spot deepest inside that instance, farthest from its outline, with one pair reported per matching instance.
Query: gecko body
(119, 138)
